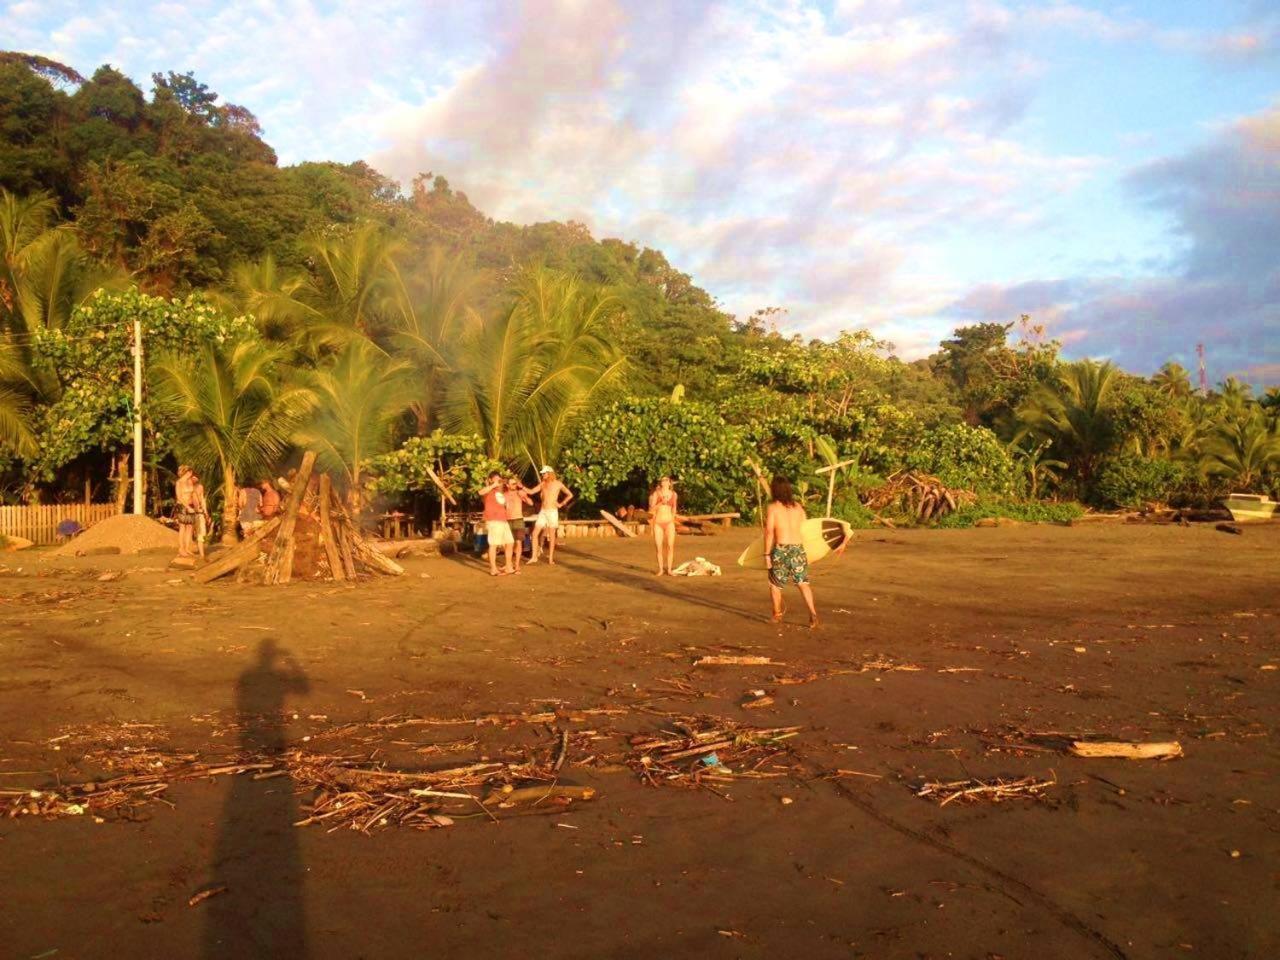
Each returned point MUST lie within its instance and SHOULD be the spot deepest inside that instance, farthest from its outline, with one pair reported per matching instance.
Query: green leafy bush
(458, 460)
(631, 443)
(1131, 480)
(972, 458)
(1025, 512)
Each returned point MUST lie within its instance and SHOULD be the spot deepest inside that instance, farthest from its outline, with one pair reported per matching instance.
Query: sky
(906, 166)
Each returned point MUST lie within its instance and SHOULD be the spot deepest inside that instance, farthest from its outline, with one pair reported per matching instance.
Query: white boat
(1246, 507)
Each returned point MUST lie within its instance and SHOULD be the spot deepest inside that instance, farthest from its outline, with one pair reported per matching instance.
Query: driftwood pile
(314, 538)
(917, 495)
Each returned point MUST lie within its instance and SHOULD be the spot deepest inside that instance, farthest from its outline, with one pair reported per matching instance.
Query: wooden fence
(39, 524)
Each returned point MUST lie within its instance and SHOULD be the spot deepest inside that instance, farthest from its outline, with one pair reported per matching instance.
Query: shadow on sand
(641, 580)
(262, 914)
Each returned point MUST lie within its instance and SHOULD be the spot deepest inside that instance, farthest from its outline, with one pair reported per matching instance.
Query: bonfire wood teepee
(313, 539)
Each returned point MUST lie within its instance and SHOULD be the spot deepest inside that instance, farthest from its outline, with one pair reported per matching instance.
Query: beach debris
(919, 495)
(1129, 751)
(697, 567)
(1229, 528)
(203, 894)
(755, 699)
(707, 750)
(994, 791)
(723, 660)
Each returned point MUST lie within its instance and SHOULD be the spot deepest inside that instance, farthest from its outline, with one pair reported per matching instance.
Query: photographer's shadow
(262, 913)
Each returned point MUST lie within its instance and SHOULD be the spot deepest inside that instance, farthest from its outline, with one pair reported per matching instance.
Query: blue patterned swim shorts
(790, 565)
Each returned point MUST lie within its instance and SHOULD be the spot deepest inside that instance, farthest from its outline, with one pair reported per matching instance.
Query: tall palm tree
(426, 321)
(1173, 380)
(277, 298)
(355, 283)
(361, 395)
(44, 276)
(1243, 450)
(234, 412)
(1075, 414)
(525, 375)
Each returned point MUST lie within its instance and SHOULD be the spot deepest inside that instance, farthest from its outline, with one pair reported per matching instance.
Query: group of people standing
(505, 525)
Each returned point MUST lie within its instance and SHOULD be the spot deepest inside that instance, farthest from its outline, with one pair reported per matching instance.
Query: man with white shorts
(496, 526)
(555, 496)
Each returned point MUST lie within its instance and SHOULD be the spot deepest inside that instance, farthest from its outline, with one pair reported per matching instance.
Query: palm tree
(361, 394)
(427, 319)
(355, 284)
(278, 299)
(525, 375)
(1074, 414)
(1173, 380)
(1242, 450)
(234, 412)
(44, 276)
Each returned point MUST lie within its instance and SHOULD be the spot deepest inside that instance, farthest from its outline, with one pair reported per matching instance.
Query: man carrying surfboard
(784, 551)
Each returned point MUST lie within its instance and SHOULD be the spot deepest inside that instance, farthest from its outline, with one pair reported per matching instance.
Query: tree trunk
(229, 506)
(122, 481)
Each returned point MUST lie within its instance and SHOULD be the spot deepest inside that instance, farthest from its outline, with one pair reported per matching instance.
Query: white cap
(545, 469)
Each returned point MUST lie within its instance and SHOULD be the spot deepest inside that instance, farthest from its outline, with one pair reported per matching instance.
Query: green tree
(526, 374)
(1173, 380)
(231, 409)
(1075, 414)
(1243, 450)
(361, 395)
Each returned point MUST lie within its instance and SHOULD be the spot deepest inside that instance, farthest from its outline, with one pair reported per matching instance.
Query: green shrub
(1032, 512)
(972, 458)
(849, 508)
(1131, 481)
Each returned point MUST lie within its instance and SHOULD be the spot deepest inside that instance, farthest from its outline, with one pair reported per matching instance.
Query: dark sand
(1123, 859)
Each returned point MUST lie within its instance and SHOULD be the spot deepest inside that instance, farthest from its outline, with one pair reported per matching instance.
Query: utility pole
(139, 507)
(1204, 379)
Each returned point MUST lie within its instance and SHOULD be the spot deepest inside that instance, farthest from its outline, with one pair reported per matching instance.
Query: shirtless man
(185, 493)
(552, 491)
(517, 499)
(784, 548)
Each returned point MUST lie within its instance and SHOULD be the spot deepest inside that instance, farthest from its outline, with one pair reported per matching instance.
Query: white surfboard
(820, 537)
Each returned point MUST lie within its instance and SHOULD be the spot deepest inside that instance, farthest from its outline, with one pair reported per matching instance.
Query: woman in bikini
(662, 511)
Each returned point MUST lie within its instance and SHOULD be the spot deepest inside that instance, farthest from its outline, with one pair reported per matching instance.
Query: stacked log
(314, 538)
(918, 495)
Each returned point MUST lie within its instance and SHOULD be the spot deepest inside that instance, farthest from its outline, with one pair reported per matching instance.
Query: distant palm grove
(402, 335)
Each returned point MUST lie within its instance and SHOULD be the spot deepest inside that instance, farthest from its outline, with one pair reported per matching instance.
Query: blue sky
(1112, 169)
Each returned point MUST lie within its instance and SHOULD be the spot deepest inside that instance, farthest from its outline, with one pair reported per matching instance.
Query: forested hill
(402, 332)
(176, 188)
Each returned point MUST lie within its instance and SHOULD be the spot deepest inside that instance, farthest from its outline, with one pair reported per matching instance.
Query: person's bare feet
(777, 615)
(814, 622)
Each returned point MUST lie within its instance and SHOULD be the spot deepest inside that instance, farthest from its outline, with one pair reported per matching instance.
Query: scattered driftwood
(700, 752)
(917, 495)
(994, 791)
(1229, 528)
(1129, 751)
(716, 660)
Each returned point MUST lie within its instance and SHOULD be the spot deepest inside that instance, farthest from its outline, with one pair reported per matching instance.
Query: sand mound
(126, 532)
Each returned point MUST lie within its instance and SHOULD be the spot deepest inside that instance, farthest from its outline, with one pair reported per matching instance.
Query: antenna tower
(1204, 379)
